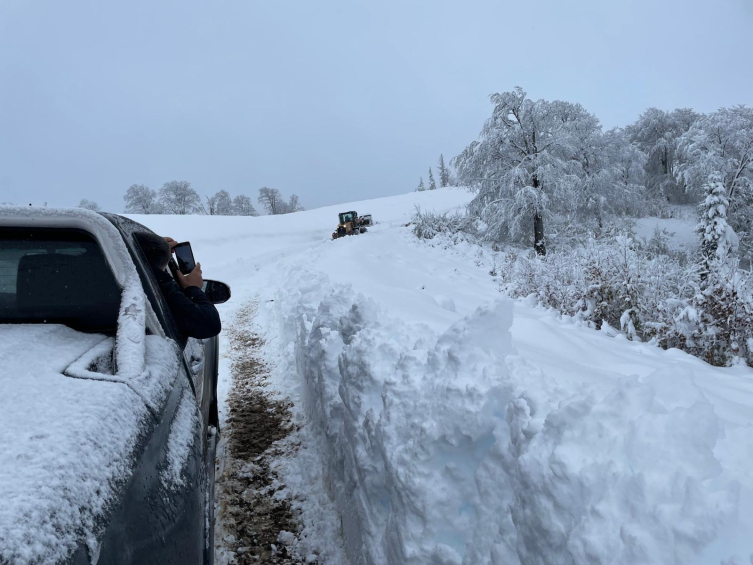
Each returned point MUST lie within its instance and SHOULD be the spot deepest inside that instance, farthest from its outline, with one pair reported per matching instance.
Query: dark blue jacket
(195, 315)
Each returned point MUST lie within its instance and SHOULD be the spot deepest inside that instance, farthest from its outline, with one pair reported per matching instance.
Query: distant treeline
(178, 197)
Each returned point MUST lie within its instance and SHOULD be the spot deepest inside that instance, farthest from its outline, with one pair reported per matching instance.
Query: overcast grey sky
(333, 100)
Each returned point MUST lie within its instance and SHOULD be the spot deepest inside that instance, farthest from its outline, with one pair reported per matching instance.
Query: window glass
(56, 276)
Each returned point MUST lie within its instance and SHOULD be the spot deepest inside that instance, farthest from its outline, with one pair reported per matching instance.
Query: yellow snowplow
(350, 224)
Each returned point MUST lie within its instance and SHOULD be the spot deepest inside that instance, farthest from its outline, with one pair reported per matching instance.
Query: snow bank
(453, 449)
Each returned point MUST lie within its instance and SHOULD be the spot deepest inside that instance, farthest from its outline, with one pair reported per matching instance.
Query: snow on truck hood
(68, 435)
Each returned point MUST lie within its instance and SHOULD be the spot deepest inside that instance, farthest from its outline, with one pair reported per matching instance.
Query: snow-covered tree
(530, 152)
(432, 183)
(718, 239)
(722, 143)
(625, 191)
(242, 206)
(272, 201)
(657, 134)
(89, 205)
(140, 199)
(421, 186)
(293, 204)
(444, 173)
(220, 204)
(177, 197)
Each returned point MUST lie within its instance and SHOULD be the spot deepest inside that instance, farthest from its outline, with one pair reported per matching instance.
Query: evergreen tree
(718, 239)
(444, 173)
(421, 186)
(722, 143)
(432, 184)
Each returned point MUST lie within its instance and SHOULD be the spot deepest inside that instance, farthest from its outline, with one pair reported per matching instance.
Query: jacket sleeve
(195, 315)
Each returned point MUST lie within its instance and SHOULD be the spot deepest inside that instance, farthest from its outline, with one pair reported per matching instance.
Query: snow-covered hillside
(443, 423)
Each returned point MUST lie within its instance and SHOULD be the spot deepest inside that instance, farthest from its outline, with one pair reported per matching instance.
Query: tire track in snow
(253, 526)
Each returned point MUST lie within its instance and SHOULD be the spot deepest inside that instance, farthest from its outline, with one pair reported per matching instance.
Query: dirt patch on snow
(252, 524)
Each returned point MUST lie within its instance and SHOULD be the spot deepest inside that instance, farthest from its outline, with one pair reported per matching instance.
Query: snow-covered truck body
(108, 414)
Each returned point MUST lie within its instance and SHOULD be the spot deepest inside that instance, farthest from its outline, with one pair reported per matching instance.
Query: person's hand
(171, 242)
(193, 278)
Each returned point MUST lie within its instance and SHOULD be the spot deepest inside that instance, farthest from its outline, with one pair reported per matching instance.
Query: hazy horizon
(334, 101)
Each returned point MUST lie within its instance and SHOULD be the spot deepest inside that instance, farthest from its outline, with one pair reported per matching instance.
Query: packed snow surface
(680, 229)
(447, 424)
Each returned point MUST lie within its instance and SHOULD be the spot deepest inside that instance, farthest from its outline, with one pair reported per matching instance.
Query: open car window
(130, 231)
(56, 275)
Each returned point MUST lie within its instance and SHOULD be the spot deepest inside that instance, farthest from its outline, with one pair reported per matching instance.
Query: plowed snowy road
(439, 423)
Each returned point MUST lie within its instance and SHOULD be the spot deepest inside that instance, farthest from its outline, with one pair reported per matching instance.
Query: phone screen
(184, 255)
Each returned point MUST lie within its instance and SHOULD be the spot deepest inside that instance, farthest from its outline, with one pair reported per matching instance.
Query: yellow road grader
(351, 224)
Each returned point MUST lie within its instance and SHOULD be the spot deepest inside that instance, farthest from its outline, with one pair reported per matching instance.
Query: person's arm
(195, 315)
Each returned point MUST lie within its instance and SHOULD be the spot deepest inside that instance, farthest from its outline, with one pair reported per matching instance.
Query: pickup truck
(108, 414)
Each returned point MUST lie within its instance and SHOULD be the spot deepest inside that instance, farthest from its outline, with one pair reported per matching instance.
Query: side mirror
(217, 292)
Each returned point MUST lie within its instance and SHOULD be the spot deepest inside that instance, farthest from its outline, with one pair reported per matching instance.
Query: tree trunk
(538, 234)
(665, 161)
(538, 226)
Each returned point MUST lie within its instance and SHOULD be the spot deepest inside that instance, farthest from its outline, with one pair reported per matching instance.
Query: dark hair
(156, 249)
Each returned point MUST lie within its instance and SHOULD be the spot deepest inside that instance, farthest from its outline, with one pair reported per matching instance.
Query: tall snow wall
(452, 449)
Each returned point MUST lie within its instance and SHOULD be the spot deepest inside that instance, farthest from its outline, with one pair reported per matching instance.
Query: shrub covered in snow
(648, 295)
(701, 304)
(427, 225)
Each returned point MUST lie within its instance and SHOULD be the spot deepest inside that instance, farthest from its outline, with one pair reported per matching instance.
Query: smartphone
(184, 255)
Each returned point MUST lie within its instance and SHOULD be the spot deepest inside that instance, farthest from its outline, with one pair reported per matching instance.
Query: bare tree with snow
(89, 205)
(657, 134)
(626, 168)
(220, 204)
(242, 206)
(293, 204)
(530, 152)
(272, 201)
(177, 197)
(140, 199)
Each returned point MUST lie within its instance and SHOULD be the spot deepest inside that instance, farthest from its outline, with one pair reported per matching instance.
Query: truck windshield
(56, 276)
